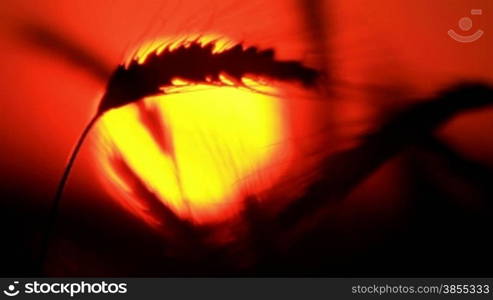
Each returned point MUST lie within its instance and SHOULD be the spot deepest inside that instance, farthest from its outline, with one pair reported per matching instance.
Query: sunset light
(199, 149)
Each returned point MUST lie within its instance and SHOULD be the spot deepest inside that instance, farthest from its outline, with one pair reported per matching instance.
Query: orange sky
(45, 102)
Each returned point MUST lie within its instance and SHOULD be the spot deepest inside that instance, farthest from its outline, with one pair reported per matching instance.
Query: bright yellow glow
(219, 43)
(225, 143)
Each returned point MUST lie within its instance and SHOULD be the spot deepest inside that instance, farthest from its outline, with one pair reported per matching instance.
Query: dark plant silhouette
(193, 61)
(338, 174)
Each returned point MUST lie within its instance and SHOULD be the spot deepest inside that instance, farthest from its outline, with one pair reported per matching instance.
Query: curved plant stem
(55, 207)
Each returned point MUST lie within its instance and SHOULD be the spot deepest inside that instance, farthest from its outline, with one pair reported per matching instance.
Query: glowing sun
(199, 150)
